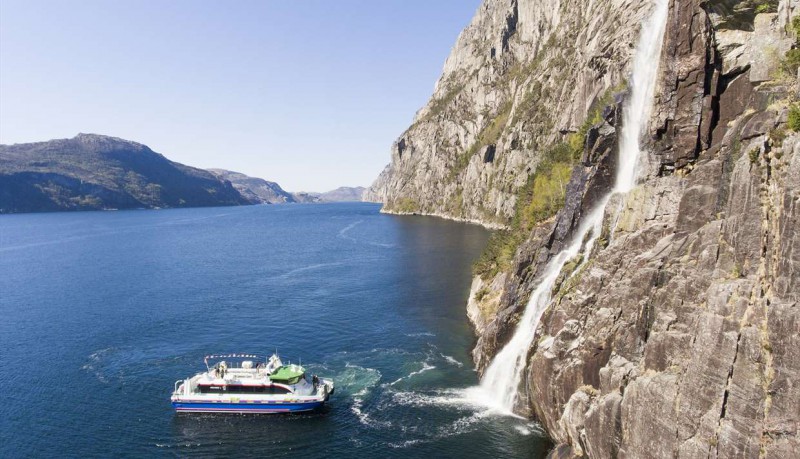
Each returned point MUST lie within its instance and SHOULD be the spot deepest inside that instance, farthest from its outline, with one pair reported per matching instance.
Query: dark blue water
(100, 313)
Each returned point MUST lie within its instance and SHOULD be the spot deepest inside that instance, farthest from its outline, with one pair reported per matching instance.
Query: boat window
(233, 389)
(242, 389)
(207, 389)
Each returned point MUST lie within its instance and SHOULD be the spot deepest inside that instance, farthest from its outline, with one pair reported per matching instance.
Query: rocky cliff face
(341, 194)
(521, 77)
(679, 336)
(255, 190)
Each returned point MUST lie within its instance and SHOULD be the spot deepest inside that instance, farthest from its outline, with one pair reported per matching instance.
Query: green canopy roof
(287, 374)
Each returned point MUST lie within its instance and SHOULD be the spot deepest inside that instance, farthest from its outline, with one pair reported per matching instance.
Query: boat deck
(264, 388)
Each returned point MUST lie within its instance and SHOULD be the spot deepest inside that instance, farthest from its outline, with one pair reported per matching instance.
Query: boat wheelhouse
(239, 383)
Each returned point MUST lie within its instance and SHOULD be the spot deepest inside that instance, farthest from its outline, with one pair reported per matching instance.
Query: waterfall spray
(502, 378)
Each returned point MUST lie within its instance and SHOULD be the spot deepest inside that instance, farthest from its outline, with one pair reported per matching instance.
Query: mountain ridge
(94, 172)
(99, 172)
(256, 190)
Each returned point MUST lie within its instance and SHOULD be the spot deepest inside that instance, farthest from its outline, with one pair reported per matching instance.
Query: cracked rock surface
(679, 338)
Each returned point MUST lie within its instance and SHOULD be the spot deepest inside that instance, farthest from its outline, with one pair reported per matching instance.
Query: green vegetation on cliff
(791, 61)
(540, 199)
(794, 118)
(406, 206)
(543, 194)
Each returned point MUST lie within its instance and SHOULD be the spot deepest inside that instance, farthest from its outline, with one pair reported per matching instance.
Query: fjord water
(103, 311)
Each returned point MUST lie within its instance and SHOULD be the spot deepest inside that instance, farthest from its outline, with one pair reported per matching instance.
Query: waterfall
(638, 107)
(502, 377)
(501, 380)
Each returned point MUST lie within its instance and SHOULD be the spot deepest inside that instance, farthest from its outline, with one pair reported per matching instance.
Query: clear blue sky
(310, 94)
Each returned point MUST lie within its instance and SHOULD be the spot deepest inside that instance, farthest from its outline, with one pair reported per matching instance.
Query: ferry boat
(238, 383)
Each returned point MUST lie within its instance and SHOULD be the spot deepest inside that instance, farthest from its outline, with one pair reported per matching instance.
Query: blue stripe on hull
(245, 407)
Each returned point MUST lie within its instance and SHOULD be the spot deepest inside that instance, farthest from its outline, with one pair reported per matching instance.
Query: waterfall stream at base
(500, 383)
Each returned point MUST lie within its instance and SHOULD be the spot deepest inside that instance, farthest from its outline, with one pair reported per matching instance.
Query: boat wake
(307, 268)
(381, 244)
(343, 232)
(116, 365)
(94, 365)
(425, 367)
(100, 232)
(451, 360)
(357, 382)
(420, 334)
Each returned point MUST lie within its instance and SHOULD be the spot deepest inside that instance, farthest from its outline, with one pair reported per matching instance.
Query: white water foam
(498, 389)
(530, 428)
(461, 400)
(95, 363)
(524, 430)
(451, 360)
(407, 443)
(416, 335)
(363, 379)
(425, 367)
(460, 426)
(455, 398)
(464, 399)
(363, 417)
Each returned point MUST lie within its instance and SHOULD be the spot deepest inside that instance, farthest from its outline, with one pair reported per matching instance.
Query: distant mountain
(260, 191)
(255, 190)
(306, 197)
(92, 172)
(341, 194)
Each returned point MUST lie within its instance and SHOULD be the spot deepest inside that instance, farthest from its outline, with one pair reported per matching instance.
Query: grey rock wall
(521, 76)
(679, 338)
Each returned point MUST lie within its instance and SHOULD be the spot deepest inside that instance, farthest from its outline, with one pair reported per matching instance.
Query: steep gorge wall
(679, 337)
(521, 77)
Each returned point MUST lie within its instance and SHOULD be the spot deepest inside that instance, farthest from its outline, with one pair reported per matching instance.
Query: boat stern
(326, 387)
